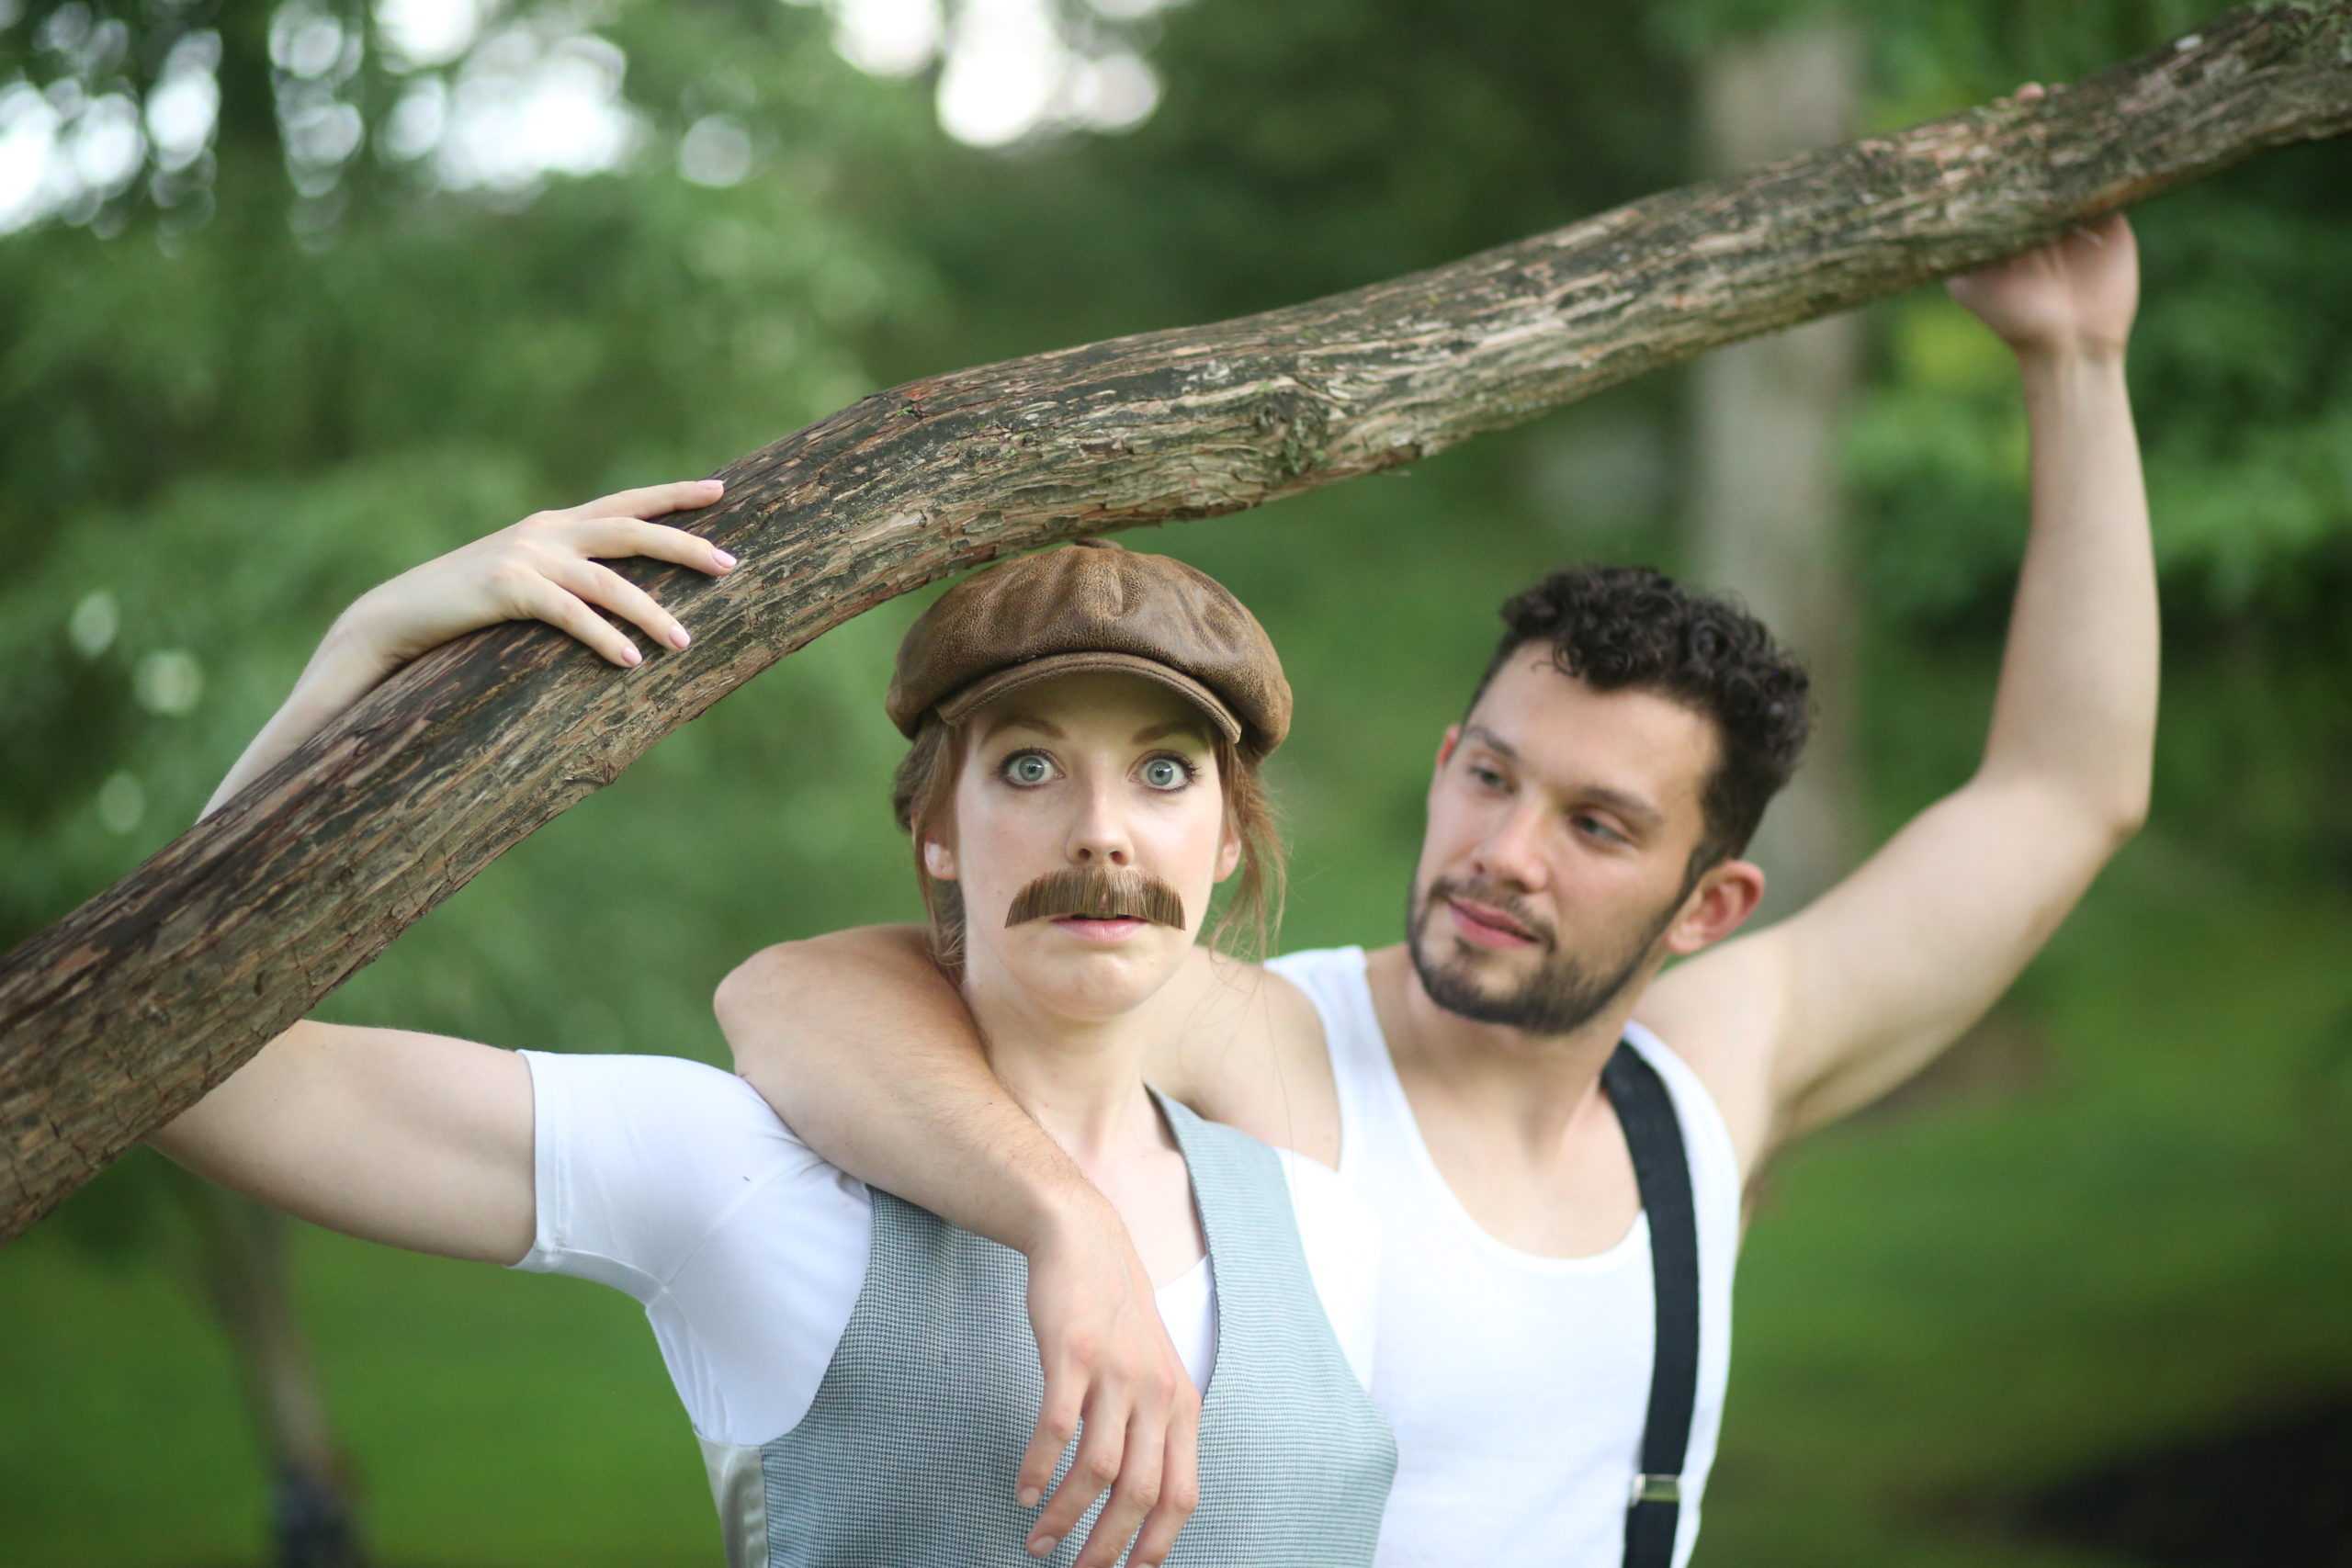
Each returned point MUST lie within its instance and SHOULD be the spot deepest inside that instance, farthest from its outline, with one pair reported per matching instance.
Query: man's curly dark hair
(1617, 627)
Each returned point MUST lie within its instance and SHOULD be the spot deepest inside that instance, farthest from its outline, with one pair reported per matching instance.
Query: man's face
(1561, 824)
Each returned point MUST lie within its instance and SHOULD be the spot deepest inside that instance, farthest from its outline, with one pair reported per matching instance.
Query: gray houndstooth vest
(908, 1457)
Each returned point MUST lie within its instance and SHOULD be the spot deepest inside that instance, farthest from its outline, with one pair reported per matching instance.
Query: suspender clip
(1656, 1489)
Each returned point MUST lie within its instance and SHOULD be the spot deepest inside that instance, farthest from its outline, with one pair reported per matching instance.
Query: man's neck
(1537, 1089)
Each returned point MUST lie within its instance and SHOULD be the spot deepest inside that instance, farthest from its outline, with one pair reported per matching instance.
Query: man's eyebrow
(1191, 726)
(1491, 741)
(1631, 806)
(1626, 803)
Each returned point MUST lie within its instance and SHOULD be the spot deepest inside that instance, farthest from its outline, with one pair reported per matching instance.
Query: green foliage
(2245, 404)
(227, 407)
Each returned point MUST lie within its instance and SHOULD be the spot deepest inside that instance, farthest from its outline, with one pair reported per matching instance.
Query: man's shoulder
(1718, 1013)
(1259, 1001)
(1251, 1053)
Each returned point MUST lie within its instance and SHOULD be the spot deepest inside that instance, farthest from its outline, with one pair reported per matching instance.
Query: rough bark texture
(124, 1012)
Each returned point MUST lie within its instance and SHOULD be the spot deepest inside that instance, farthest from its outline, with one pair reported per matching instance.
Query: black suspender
(1662, 1171)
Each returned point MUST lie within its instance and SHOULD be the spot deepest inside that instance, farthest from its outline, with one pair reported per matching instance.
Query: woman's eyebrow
(1020, 721)
(1174, 727)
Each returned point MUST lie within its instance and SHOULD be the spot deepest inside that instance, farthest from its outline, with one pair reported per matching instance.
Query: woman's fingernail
(724, 559)
(678, 638)
(1043, 1546)
(631, 654)
(1028, 1496)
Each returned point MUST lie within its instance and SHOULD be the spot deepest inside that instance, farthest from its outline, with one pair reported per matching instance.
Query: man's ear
(938, 861)
(1446, 743)
(1727, 894)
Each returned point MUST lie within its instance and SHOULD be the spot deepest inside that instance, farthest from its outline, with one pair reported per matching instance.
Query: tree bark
(124, 1012)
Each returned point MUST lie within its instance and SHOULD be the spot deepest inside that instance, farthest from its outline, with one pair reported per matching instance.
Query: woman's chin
(1082, 978)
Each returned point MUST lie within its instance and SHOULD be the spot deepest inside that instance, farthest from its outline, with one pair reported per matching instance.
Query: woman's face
(1083, 772)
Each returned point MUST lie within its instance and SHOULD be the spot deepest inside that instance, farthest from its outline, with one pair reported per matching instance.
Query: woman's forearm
(345, 666)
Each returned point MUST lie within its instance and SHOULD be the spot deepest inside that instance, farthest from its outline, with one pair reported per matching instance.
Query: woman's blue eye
(1028, 767)
(1166, 772)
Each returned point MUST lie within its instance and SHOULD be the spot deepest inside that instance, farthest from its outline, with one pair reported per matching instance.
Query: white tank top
(1517, 1385)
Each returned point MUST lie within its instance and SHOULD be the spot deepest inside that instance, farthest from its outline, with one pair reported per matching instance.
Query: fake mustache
(1101, 892)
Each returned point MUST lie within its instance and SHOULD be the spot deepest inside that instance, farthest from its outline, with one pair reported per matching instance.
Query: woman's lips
(1483, 930)
(1105, 932)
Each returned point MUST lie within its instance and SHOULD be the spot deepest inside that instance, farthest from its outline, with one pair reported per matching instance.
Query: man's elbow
(2125, 824)
(2125, 812)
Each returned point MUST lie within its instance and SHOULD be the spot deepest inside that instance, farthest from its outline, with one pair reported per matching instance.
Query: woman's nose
(1099, 836)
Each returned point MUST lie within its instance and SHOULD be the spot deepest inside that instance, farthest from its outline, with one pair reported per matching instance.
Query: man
(1586, 819)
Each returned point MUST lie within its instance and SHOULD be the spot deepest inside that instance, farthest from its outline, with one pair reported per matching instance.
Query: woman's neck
(1080, 1079)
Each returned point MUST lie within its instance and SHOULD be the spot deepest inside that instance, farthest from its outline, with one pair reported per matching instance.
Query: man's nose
(1512, 853)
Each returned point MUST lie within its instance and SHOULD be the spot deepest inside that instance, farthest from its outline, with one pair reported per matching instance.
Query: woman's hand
(546, 568)
(543, 568)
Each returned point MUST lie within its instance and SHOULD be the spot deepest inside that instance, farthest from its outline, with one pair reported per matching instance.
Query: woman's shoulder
(647, 1157)
(1320, 1196)
(653, 1094)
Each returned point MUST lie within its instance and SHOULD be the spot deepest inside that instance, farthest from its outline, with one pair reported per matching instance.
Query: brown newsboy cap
(1092, 605)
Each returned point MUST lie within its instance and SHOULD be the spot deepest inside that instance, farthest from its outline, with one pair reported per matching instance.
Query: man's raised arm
(1824, 1011)
(860, 1044)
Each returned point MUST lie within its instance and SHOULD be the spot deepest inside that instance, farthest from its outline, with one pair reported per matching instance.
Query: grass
(1942, 1312)
(1939, 1310)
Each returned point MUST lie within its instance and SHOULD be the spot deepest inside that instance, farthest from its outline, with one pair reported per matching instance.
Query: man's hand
(1109, 1364)
(2073, 296)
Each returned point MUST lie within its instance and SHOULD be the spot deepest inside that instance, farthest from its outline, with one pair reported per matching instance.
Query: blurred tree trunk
(243, 1272)
(242, 1268)
(1766, 520)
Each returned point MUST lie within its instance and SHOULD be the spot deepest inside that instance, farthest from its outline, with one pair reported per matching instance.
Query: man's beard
(1562, 995)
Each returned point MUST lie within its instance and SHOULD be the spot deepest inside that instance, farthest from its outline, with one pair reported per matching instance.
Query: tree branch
(123, 1013)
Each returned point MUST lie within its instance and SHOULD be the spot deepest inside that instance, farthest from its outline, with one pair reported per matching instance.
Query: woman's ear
(1229, 849)
(938, 861)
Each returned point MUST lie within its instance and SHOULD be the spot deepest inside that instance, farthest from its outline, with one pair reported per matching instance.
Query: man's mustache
(1495, 898)
(1100, 892)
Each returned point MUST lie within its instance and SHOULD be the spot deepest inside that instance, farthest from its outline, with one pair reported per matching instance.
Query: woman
(1088, 725)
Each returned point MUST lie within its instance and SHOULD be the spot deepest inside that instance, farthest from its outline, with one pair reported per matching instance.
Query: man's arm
(866, 1050)
(864, 1047)
(1823, 1012)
